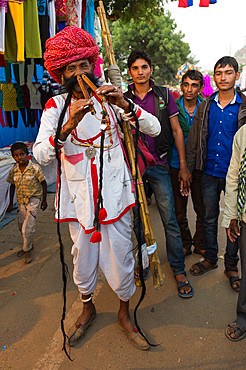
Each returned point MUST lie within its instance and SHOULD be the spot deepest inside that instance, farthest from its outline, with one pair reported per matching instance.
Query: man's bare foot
(184, 289)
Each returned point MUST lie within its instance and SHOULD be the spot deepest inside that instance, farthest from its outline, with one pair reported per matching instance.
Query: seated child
(29, 181)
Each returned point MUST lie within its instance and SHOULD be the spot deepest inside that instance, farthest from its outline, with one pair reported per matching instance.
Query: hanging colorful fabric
(204, 3)
(185, 3)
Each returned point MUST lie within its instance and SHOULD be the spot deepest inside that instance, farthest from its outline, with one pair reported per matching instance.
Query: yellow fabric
(16, 10)
(28, 183)
(9, 97)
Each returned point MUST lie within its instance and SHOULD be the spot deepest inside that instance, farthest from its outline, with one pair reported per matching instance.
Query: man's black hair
(138, 54)
(18, 145)
(193, 75)
(224, 61)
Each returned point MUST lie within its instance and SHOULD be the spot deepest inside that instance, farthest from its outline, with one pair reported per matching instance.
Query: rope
(65, 272)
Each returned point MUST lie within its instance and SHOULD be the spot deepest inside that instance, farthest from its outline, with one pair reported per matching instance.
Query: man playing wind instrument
(70, 53)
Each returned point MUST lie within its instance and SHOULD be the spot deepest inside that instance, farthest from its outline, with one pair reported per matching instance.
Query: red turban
(67, 46)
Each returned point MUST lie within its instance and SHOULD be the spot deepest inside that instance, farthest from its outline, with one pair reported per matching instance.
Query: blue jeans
(160, 182)
(211, 189)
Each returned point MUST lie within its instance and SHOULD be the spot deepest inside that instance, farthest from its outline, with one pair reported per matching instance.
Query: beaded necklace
(91, 151)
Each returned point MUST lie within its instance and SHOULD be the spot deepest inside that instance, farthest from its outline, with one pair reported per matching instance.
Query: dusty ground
(190, 332)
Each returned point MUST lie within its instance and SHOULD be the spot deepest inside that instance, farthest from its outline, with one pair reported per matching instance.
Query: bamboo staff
(144, 211)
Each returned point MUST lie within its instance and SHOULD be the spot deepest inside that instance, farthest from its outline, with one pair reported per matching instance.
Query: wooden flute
(85, 92)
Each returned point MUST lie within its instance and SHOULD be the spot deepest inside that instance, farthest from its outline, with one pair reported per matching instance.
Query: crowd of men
(190, 148)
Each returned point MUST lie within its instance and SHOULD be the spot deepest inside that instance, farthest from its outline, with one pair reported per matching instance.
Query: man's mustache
(70, 82)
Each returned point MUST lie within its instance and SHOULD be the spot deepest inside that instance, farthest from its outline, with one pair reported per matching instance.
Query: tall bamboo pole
(144, 211)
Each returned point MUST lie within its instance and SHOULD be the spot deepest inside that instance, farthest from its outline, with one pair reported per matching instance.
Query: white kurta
(80, 174)
(79, 189)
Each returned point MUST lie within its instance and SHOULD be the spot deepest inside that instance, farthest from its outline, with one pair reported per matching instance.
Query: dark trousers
(181, 209)
(211, 189)
(241, 303)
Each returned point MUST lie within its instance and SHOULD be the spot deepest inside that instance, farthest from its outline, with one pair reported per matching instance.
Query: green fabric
(10, 52)
(16, 73)
(183, 121)
(8, 72)
(31, 27)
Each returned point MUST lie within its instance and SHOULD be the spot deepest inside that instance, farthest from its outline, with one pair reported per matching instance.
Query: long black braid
(139, 241)
(65, 272)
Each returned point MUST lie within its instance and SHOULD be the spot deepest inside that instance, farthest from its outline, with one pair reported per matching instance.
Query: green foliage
(127, 9)
(158, 38)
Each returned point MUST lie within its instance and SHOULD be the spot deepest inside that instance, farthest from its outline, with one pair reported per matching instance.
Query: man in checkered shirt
(29, 181)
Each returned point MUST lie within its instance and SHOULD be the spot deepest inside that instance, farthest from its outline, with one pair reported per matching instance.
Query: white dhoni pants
(113, 254)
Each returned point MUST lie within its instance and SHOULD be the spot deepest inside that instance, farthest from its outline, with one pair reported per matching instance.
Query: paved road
(190, 333)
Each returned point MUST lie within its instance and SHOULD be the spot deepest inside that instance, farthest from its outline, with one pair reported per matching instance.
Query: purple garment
(207, 90)
(3, 3)
(148, 104)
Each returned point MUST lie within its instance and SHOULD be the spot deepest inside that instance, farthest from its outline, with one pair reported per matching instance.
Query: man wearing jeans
(160, 102)
(209, 148)
(188, 103)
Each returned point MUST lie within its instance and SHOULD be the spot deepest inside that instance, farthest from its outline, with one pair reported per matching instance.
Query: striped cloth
(241, 186)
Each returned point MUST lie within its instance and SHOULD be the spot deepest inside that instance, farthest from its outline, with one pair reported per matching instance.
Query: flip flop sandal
(240, 333)
(202, 269)
(233, 280)
(181, 284)
(187, 252)
(145, 273)
(199, 251)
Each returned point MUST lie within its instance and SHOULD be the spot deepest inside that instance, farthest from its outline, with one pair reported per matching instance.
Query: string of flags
(203, 3)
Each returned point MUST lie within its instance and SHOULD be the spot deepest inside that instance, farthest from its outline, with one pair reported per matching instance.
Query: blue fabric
(213, 1)
(223, 124)
(1, 99)
(190, 3)
(89, 18)
(10, 135)
(61, 25)
(43, 7)
(8, 217)
(211, 190)
(174, 162)
(160, 182)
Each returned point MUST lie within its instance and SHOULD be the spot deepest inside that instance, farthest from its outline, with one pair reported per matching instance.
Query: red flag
(204, 3)
(183, 3)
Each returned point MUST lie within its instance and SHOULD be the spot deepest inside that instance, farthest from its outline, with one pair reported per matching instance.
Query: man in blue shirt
(209, 148)
(188, 103)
